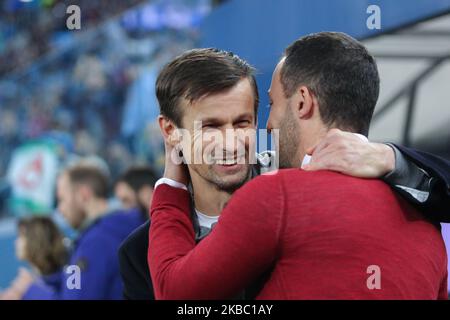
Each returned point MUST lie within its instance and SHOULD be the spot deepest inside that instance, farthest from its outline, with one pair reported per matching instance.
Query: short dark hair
(138, 177)
(197, 73)
(91, 176)
(340, 72)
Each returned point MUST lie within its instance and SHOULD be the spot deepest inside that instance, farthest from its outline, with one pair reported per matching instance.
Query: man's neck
(310, 138)
(96, 208)
(210, 201)
(208, 198)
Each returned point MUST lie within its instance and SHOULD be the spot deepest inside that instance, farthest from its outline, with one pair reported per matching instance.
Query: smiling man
(193, 116)
(208, 101)
(317, 233)
(205, 94)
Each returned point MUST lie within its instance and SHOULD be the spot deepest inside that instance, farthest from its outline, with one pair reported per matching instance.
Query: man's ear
(169, 130)
(304, 103)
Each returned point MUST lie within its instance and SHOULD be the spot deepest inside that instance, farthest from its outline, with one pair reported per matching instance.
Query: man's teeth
(226, 162)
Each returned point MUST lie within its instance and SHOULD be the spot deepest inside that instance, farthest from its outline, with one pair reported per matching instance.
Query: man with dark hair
(198, 73)
(340, 75)
(89, 176)
(319, 234)
(197, 87)
(347, 92)
(93, 271)
(134, 188)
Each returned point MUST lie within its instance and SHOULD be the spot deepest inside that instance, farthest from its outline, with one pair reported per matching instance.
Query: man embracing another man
(313, 234)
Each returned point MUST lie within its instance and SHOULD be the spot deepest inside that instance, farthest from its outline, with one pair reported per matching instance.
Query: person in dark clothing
(134, 189)
(134, 267)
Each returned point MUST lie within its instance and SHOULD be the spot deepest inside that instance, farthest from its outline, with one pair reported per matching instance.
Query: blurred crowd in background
(90, 91)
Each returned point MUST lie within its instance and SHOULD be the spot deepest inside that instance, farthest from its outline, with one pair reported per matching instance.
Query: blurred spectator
(30, 28)
(134, 188)
(82, 195)
(40, 243)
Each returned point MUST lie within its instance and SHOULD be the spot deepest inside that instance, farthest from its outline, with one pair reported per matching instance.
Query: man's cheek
(247, 145)
(210, 153)
(183, 152)
(213, 146)
(251, 144)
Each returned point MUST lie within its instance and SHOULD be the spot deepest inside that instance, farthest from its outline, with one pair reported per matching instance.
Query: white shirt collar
(205, 220)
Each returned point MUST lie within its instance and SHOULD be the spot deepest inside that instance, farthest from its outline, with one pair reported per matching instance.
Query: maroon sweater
(317, 232)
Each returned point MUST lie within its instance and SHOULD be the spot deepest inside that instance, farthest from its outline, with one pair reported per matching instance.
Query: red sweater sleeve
(242, 245)
(443, 290)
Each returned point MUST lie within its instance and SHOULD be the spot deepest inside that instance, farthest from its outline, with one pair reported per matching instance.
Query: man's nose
(229, 137)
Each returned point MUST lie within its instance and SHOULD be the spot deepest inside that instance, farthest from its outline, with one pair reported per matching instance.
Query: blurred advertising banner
(32, 175)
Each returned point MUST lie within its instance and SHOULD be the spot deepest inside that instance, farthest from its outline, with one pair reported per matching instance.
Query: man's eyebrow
(211, 120)
(216, 121)
(244, 116)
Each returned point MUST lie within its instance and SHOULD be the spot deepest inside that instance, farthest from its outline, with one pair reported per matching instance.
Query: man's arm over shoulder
(241, 246)
(428, 183)
(422, 178)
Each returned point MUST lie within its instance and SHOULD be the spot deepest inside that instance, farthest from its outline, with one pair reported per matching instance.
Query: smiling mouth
(226, 162)
(230, 162)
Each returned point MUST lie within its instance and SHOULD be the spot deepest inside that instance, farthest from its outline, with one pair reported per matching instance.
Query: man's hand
(174, 168)
(346, 153)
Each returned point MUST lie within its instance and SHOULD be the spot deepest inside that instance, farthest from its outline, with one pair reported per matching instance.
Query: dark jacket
(134, 266)
(437, 206)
